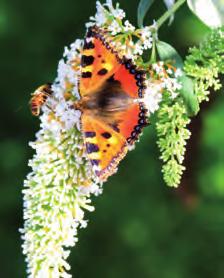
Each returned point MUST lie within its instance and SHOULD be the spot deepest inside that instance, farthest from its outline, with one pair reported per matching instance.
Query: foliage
(206, 64)
(173, 133)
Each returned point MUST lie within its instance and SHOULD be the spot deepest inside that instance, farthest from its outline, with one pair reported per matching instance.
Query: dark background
(140, 228)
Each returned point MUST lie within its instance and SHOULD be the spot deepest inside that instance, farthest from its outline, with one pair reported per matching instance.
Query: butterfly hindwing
(131, 78)
(104, 147)
(133, 120)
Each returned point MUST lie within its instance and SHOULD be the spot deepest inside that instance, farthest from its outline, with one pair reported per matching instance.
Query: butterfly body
(113, 114)
(106, 103)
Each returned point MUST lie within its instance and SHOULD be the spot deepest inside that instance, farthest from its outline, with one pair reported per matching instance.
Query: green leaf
(188, 95)
(211, 12)
(143, 8)
(168, 53)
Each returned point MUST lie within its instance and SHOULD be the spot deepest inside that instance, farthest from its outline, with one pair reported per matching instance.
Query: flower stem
(168, 13)
(153, 54)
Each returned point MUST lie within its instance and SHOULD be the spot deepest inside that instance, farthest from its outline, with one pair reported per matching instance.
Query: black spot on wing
(91, 148)
(106, 135)
(86, 74)
(90, 134)
(95, 162)
(88, 45)
(140, 92)
(90, 33)
(115, 127)
(102, 72)
(87, 60)
(142, 122)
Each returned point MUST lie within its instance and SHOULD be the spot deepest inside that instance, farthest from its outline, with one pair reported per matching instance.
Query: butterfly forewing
(98, 64)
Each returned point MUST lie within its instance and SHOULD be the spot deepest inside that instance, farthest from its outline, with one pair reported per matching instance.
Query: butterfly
(39, 98)
(113, 114)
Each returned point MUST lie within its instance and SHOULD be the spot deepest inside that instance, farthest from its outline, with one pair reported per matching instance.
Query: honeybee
(39, 97)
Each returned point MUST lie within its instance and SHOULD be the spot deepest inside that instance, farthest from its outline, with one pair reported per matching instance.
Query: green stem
(168, 13)
(153, 54)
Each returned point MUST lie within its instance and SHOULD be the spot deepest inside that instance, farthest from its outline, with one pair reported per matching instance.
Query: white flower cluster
(111, 19)
(57, 191)
(152, 96)
(104, 13)
(64, 117)
(166, 79)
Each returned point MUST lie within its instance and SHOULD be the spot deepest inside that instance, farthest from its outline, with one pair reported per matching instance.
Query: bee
(39, 97)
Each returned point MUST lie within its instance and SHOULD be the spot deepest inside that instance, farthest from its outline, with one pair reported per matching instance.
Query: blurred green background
(140, 227)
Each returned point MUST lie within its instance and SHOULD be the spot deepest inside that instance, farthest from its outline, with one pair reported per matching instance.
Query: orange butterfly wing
(104, 146)
(99, 64)
(133, 121)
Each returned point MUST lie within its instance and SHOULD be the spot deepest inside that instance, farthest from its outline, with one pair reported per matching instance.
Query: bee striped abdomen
(39, 98)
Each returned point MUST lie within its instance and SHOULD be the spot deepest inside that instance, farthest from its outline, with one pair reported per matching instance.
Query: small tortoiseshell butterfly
(112, 113)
